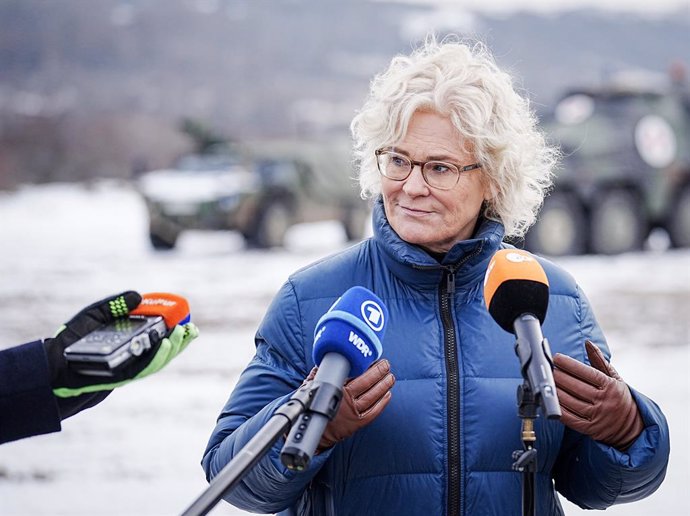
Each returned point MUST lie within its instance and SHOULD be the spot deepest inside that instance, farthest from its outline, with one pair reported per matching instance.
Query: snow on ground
(138, 453)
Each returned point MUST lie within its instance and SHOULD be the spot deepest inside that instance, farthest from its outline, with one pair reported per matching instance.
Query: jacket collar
(410, 263)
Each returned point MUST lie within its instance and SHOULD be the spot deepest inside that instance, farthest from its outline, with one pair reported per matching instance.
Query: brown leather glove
(595, 400)
(364, 398)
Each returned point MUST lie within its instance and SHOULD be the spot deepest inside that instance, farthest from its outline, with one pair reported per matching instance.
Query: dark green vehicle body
(625, 171)
(259, 189)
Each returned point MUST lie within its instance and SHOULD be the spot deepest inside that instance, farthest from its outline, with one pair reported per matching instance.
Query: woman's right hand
(364, 398)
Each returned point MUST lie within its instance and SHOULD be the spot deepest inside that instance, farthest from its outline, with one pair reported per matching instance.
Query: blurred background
(116, 88)
(201, 147)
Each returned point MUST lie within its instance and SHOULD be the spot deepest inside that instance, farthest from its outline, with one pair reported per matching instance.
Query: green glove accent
(169, 348)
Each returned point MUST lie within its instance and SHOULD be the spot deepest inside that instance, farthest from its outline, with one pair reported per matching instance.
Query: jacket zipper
(446, 293)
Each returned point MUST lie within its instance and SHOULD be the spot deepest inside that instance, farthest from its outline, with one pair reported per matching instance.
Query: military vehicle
(625, 170)
(259, 189)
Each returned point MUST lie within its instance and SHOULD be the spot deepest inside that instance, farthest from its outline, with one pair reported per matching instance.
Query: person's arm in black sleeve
(38, 388)
(29, 374)
(27, 404)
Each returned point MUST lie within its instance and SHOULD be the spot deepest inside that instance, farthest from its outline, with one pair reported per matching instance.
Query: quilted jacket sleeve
(596, 476)
(275, 372)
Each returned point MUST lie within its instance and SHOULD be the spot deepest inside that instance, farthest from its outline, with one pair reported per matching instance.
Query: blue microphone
(347, 340)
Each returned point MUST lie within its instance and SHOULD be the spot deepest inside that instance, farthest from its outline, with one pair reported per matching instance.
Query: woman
(452, 154)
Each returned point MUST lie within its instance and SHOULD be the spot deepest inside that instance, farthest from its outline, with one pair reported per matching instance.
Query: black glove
(75, 391)
(69, 383)
(86, 321)
(89, 319)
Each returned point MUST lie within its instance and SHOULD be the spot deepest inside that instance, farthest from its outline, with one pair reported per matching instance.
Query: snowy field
(138, 453)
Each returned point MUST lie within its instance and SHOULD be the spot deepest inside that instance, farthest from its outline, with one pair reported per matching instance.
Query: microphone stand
(526, 459)
(537, 390)
(253, 451)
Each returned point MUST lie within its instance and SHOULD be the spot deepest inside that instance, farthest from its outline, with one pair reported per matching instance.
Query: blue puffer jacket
(444, 443)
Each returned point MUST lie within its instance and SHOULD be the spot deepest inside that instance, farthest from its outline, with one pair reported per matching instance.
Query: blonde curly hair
(463, 82)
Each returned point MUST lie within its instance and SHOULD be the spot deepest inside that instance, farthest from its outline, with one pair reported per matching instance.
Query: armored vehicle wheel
(354, 222)
(561, 227)
(274, 221)
(160, 243)
(163, 234)
(618, 223)
(679, 223)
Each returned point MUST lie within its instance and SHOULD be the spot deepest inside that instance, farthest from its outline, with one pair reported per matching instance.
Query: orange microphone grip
(510, 265)
(172, 308)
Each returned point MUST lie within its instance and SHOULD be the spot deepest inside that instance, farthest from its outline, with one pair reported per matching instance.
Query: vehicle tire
(274, 220)
(561, 228)
(679, 220)
(163, 234)
(354, 222)
(617, 222)
(161, 243)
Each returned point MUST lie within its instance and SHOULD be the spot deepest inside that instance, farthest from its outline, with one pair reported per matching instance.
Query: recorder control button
(154, 338)
(138, 345)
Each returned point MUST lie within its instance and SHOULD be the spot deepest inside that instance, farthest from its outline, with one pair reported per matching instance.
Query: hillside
(128, 72)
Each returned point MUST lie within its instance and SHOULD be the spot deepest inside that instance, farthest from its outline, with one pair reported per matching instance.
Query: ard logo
(372, 315)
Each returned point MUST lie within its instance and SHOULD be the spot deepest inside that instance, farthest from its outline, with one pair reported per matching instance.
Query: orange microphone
(172, 308)
(515, 284)
(516, 292)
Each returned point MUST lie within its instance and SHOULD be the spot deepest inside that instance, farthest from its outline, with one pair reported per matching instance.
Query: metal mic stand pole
(252, 452)
(526, 459)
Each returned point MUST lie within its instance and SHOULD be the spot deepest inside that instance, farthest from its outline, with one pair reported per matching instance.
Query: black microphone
(347, 340)
(516, 292)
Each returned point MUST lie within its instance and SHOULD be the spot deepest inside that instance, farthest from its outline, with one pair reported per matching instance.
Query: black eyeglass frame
(421, 164)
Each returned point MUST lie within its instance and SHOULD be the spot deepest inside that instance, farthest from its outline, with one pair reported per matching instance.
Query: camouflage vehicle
(259, 189)
(625, 171)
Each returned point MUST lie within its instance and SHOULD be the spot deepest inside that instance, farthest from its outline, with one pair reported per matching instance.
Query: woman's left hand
(595, 400)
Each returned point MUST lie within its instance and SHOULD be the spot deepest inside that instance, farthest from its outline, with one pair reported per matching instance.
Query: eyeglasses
(437, 174)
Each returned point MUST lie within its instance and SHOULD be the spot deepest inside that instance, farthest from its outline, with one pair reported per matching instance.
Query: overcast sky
(639, 6)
